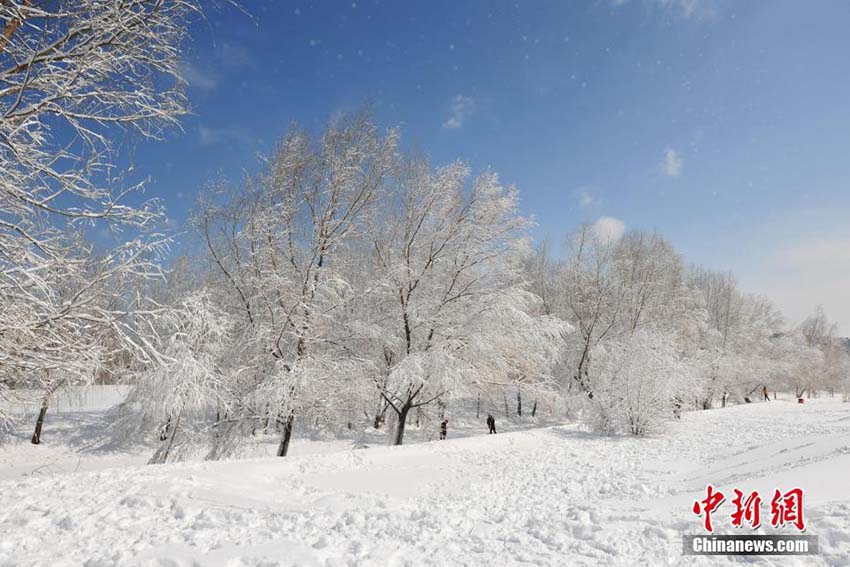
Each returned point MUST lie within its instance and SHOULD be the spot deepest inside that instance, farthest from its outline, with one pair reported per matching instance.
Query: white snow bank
(553, 496)
(67, 400)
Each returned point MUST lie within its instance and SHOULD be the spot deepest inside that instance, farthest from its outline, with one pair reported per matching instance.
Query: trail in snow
(553, 496)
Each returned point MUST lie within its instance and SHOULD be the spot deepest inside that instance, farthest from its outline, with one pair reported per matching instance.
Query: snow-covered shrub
(636, 386)
(6, 401)
(179, 396)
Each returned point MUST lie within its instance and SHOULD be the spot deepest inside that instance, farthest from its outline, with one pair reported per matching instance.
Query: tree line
(347, 283)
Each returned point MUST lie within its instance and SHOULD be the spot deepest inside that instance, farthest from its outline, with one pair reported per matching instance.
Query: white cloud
(461, 108)
(684, 8)
(233, 56)
(672, 163)
(608, 229)
(584, 198)
(198, 78)
(209, 136)
(833, 252)
(800, 275)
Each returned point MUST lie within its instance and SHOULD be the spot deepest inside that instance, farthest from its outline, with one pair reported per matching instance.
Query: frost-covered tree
(89, 315)
(178, 393)
(739, 337)
(356, 275)
(457, 314)
(77, 77)
(277, 245)
(588, 297)
(798, 363)
(635, 383)
(609, 288)
(820, 361)
(614, 288)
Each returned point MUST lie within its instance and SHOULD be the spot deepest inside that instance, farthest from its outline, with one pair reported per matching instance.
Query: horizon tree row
(358, 283)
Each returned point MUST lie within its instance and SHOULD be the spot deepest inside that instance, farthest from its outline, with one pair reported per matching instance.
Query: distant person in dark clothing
(491, 423)
(764, 393)
(443, 427)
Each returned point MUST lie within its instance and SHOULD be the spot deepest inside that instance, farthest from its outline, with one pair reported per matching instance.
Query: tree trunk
(478, 407)
(381, 414)
(36, 436)
(507, 411)
(171, 439)
(519, 403)
(402, 419)
(161, 455)
(45, 401)
(582, 376)
(163, 434)
(534, 408)
(283, 448)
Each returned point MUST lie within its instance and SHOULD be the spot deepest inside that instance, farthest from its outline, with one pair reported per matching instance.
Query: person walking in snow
(491, 423)
(764, 393)
(725, 397)
(443, 427)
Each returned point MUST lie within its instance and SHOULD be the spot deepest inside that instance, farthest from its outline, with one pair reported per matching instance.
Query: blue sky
(724, 125)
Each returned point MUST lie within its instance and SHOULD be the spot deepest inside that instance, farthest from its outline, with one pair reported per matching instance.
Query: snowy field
(542, 496)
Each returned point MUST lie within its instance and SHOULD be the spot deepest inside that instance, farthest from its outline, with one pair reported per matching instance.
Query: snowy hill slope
(553, 496)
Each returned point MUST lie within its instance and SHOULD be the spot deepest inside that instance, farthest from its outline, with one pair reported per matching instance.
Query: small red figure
(748, 509)
(708, 505)
(787, 509)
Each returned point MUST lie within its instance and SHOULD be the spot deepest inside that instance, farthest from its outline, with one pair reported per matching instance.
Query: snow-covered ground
(543, 496)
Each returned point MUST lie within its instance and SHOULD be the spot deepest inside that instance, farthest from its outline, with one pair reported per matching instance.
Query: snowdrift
(550, 496)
